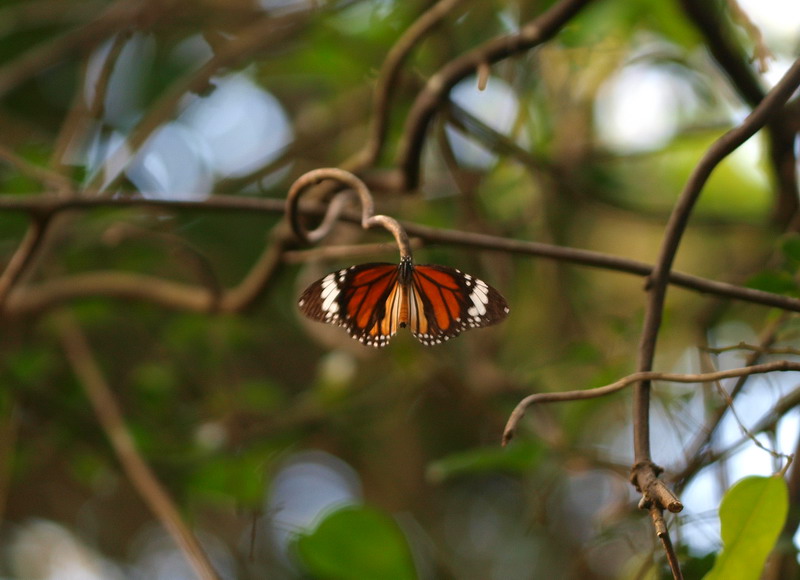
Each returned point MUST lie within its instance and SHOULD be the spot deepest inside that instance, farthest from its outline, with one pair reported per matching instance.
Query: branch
(80, 356)
(22, 257)
(710, 19)
(247, 43)
(387, 80)
(41, 57)
(659, 279)
(81, 115)
(663, 534)
(695, 451)
(335, 207)
(564, 396)
(41, 174)
(438, 86)
(30, 300)
(9, 431)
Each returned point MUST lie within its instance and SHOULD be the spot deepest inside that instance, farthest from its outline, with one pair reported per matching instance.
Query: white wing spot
(328, 284)
(329, 304)
(480, 301)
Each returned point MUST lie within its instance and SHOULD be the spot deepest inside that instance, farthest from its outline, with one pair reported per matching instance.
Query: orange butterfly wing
(357, 298)
(371, 301)
(446, 302)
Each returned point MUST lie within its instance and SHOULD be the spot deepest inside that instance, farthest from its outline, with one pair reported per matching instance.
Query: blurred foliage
(220, 404)
(356, 542)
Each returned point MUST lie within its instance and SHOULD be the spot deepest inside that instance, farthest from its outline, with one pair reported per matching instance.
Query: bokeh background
(284, 442)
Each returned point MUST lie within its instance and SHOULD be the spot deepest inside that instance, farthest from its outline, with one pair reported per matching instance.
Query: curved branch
(438, 86)
(387, 79)
(710, 19)
(563, 396)
(659, 279)
(368, 217)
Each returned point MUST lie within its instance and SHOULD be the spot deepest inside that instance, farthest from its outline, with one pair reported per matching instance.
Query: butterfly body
(371, 301)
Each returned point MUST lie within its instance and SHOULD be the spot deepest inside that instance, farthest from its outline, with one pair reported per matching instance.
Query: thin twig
(696, 454)
(86, 369)
(564, 396)
(657, 515)
(766, 424)
(387, 80)
(753, 348)
(22, 257)
(745, 431)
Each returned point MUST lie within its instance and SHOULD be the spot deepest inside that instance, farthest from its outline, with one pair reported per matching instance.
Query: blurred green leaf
(777, 282)
(692, 566)
(790, 246)
(517, 458)
(30, 365)
(356, 543)
(223, 477)
(260, 395)
(154, 378)
(752, 514)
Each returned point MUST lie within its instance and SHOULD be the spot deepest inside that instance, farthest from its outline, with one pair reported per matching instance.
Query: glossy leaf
(752, 514)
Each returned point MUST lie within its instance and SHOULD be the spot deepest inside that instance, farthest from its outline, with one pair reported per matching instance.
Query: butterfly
(371, 301)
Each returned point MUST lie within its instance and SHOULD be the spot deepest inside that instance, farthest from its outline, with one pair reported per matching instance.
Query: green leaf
(355, 543)
(790, 245)
(517, 458)
(777, 282)
(752, 514)
(220, 478)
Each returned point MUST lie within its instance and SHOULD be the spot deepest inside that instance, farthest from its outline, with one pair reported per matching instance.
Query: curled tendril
(368, 217)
